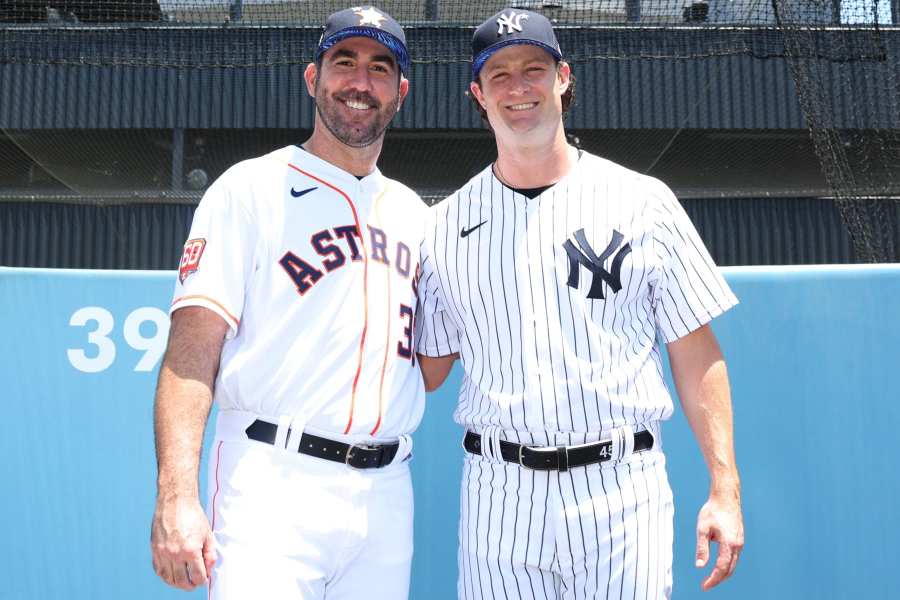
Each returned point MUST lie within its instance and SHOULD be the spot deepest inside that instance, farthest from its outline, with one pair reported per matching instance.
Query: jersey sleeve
(436, 333)
(689, 290)
(218, 257)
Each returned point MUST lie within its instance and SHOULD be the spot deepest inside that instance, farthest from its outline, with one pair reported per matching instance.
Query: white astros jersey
(554, 303)
(314, 272)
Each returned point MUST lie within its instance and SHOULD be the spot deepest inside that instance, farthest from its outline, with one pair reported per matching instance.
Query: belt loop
(615, 450)
(627, 441)
(292, 444)
(656, 431)
(495, 442)
(490, 444)
(622, 443)
(562, 458)
(282, 432)
(404, 450)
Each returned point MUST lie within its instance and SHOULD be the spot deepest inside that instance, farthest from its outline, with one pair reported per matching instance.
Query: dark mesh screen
(152, 100)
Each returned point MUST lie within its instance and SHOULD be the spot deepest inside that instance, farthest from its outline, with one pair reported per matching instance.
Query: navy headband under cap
(369, 22)
(510, 27)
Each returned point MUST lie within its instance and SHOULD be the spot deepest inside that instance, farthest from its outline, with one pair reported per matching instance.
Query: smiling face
(358, 90)
(520, 88)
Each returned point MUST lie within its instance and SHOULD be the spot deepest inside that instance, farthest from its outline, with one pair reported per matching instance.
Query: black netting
(858, 141)
(726, 99)
(194, 31)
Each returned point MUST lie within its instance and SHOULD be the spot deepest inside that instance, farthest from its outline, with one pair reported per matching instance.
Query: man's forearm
(709, 413)
(436, 369)
(184, 397)
(702, 380)
(182, 407)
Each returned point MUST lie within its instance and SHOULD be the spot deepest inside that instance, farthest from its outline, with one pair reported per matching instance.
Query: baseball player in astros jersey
(551, 274)
(294, 310)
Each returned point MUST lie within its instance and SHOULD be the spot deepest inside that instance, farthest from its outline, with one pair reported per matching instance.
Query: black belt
(359, 456)
(556, 458)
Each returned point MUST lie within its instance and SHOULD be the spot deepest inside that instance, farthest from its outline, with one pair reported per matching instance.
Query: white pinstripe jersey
(555, 303)
(314, 272)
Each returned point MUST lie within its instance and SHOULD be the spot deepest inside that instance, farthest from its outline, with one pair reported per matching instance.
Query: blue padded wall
(812, 352)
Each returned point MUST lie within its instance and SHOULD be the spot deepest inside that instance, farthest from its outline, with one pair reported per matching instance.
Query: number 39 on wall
(103, 352)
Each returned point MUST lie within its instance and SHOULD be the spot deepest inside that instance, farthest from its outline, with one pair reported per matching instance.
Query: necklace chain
(498, 172)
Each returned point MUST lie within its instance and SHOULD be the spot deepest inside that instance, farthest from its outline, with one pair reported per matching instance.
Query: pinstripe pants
(590, 532)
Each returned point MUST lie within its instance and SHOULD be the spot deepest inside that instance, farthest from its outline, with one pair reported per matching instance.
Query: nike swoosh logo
(297, 194)
(464, 232)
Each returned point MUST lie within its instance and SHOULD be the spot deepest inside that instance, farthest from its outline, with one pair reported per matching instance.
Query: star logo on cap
(369, 16)
(511, 22)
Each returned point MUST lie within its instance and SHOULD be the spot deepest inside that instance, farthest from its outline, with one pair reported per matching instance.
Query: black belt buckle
(545, 456)
(522, 464)
(374, 452)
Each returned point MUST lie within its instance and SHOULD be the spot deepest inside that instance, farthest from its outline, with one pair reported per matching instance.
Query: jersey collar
(299, 156)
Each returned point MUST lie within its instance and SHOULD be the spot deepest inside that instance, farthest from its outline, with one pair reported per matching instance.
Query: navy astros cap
(510, 27)
(366, 21)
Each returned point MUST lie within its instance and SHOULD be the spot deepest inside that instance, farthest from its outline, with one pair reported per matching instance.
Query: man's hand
(182, 543)
(719, 521)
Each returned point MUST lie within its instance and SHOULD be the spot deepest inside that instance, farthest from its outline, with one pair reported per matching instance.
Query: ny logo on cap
(512, 22)
(369, 16)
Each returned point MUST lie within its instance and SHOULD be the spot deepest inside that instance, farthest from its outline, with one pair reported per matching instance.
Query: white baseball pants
(590, 532)
(294, 527)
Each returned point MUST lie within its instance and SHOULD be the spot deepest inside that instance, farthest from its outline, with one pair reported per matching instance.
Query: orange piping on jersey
(362, 339)
(208, 299)
(387, 345)
(387, 349)
(212, 525)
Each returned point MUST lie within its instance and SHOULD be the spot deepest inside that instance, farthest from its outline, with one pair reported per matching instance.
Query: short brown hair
(568, 98)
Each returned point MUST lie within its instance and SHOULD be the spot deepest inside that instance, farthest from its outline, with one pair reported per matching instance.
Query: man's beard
(353, 135)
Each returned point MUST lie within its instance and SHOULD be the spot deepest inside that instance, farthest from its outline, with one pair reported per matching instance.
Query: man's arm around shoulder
(435, 369)
(701, 378)
(181, 540)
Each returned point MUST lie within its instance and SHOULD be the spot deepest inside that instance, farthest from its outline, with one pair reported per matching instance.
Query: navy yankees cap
(509, 27)
(366, 21)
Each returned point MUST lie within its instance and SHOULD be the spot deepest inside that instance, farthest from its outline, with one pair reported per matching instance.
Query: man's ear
(404, 90)
(479, 95)
(310, 75)
(564, 73)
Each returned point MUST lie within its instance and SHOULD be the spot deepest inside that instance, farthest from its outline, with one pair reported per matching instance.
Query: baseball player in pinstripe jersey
(294, 310)
(551, 275)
